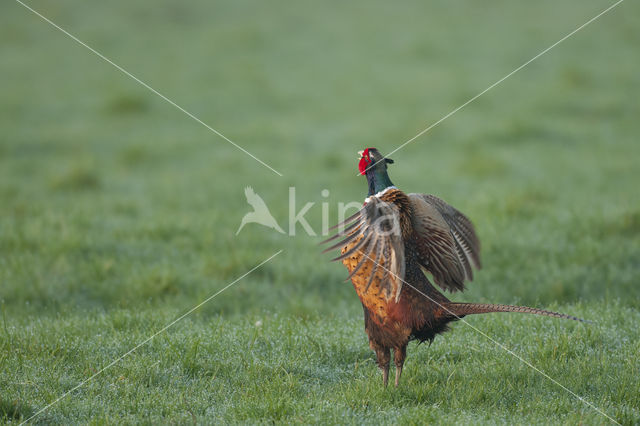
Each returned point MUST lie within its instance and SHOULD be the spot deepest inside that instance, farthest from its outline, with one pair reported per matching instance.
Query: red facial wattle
(365, 161)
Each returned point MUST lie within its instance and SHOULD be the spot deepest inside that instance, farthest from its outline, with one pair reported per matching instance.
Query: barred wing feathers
(373, 236)
(446, 241)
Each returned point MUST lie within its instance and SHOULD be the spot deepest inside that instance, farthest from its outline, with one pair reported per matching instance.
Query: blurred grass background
(116, 208)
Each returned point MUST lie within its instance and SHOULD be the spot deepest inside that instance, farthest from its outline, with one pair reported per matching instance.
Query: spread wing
(373, 234)
(446, 240)
(254, 200)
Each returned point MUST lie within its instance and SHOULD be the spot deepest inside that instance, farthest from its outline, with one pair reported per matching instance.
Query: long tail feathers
(461, 309)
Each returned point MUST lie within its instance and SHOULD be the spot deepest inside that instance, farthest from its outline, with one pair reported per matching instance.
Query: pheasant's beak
(360, 153)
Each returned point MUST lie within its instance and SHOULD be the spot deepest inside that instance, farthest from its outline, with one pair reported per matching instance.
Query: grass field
(118, 213)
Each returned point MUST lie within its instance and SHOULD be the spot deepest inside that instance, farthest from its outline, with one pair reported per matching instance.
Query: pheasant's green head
(374, 166)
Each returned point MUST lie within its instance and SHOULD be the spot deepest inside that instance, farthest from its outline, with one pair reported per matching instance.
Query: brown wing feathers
(461, 228)
(435, 245)
(374, 233)
(446, 240)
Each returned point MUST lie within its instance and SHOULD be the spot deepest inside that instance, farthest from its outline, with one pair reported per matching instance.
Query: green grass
(118, 213)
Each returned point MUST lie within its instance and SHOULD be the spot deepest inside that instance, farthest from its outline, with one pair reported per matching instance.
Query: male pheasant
(386, 247)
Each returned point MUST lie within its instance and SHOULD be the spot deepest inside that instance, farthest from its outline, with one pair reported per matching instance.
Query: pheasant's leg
(385, 375)
(384, 358)
(399, 355)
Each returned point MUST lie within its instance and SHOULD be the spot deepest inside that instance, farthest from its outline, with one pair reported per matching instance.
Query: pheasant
(387, 246)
